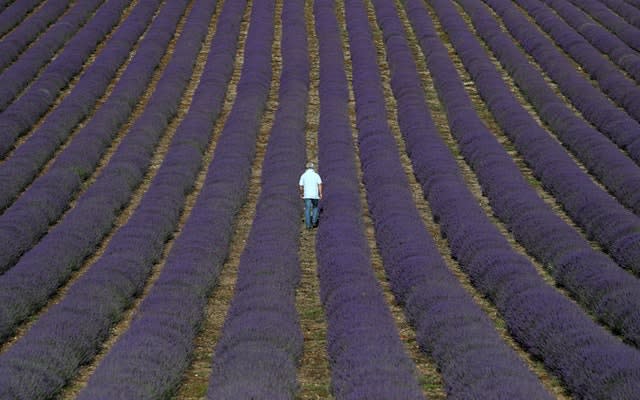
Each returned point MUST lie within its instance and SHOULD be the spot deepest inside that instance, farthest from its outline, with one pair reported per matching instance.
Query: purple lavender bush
(14, 43)
(366, 355)
(622, 90)
(603, 219)
(261, 341)
(26, 162)
(616, 23)
(13, 13)
(626, 10)
(600, 37)
(449, 326)
(71, 332)
(557, 331)
(54, 190)
(603, 159)
(598, 284)
(594, 106)
(19, 114)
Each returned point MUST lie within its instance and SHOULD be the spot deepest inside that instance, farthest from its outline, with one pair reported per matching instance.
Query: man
(310, 191)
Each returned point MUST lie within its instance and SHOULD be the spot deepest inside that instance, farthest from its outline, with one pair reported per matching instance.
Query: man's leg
(314, 218)
(307, 213)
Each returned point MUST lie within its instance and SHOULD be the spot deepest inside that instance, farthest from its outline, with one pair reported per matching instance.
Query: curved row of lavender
(615, 23)
(23, 111)
(366, 355)
(603, 158)
(26, 68)
(613, 82)
(591, 362)
(257, 353)
(600, 215)
(14, 13)
(24, 222)
(71, 331)
(20, 167)
(593, 104)
(474, 361)
(39, 272)
(4, 4)
(626, 10)
(14, 42)
(150, 357)
(599, 36)
(595, 280)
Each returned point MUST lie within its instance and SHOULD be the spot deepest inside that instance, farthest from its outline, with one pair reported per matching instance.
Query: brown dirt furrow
(136, 197)
(64, 92)
(429, 377)
(196, 378)
(85, 372)
(314, 374)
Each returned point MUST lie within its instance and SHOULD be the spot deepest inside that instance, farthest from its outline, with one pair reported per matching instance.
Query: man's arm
(320, 190)
(301, 191)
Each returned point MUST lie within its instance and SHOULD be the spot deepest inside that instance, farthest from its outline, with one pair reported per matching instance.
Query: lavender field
(479, 235)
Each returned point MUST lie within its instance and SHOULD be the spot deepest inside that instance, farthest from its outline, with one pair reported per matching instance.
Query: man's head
(310, 165)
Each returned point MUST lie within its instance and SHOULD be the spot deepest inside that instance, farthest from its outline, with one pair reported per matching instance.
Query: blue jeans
(310, 212)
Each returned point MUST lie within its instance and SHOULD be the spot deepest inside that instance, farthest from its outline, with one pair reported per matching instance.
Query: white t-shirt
(310, 181)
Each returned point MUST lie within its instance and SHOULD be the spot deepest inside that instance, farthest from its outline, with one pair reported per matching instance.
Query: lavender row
(622, 90)
(600, 37)
(15, 42)
(17, 76)
(635, 3)
(4, 4)
(535, 225)
(19, 116)
(23, 223)
(628, 12)
(449, 325)
(48, 265)
(70, 333)
(603, 159)
(159, 342)
(25, 163)
(261, 340)
(591, 362)
(600, 215)
(110, 113)
(615, 23)
(608, 292)
(14, 13)
(594, 106)
(366, 355)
